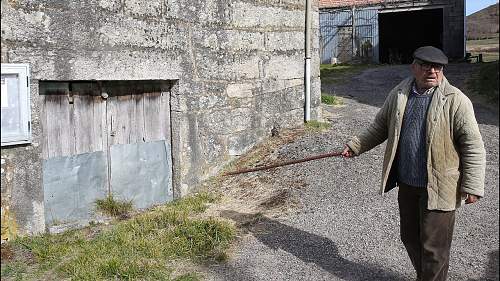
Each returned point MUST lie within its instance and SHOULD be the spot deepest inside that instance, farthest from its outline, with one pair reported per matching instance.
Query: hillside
(483, 24)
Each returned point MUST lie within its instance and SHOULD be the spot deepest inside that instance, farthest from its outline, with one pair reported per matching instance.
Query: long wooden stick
(331, 154)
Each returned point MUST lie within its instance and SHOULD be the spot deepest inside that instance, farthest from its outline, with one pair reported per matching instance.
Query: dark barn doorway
(400, 33)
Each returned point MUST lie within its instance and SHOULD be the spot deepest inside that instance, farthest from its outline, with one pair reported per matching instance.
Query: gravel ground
(339, 227)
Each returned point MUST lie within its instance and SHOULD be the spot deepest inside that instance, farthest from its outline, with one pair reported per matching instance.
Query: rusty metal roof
(346, 3)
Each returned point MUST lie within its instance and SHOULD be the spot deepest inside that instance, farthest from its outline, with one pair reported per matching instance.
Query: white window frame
(22, 70)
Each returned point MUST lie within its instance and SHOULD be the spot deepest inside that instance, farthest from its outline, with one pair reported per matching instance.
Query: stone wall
(237, 67)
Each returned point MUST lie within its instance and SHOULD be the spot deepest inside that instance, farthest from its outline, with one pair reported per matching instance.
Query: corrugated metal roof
(345, 3)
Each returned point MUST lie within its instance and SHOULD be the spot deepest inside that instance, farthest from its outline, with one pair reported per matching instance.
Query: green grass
(337, 73)
(486, 47)
(490, 56)
(485, 83)
(138, 248)
(16, 270)
(331, 100)
(480, 42)
(314, 126)
(114, 208)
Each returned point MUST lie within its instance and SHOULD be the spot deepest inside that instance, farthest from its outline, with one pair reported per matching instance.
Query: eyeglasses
(428, 66)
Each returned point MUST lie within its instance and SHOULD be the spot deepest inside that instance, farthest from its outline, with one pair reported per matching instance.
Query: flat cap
(430, 54)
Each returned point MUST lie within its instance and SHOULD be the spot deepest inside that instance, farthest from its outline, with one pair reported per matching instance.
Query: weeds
(331, 100)
(138, 248)
(114, 208)
(16, 270)
(314, 125)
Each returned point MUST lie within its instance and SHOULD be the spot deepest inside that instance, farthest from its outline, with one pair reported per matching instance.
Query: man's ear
(414, 68)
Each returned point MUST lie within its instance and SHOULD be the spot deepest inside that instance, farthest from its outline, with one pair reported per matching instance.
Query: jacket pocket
(447, 185)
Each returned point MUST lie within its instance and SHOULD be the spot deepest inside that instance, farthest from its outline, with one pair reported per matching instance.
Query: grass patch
(15, 270)
(487, 47)
(114, 208)
(331, 100)
(138, 248)
(314, 125)
(485, 83)
(337, 73)
(481, 42)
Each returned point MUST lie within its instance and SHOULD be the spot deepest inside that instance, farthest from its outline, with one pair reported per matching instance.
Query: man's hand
(470, 198)
(347, 152)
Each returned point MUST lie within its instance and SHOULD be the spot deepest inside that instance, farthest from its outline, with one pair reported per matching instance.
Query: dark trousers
(426, 234)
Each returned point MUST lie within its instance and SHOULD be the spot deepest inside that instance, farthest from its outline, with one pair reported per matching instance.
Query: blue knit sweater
(412, 153)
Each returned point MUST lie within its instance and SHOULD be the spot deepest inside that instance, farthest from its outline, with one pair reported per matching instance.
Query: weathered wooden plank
(119, 119)
(59, 129)
(131, 111)
(84, 137)
(52, 107)
(98, 105)
(43, 121)
(105, 141)
(71, 129)
(123, 119)
(165, 115)
(111, 120)
(153, 127)
(139, 118)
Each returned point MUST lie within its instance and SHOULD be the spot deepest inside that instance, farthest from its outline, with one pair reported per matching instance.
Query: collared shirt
(414, 90)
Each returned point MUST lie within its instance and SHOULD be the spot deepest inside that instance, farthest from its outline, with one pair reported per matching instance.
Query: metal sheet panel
(142, 172)
(330, 22)
(334, 20)
(71, 185)
(366, 21)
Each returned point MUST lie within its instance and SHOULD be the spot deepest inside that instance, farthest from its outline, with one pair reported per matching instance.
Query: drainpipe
(464, 53)
(353, 10)
(307, 75)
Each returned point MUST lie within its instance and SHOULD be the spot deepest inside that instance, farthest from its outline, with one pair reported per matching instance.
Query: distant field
(487, 47)
(484, 41)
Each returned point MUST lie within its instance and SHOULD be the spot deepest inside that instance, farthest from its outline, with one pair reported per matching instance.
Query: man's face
(427, 75)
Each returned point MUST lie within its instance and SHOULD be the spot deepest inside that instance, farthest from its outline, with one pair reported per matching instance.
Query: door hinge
(29, 126)
(27, 81)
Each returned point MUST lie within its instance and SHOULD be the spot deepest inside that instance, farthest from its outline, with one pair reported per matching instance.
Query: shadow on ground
(310, 248)
(491, 273)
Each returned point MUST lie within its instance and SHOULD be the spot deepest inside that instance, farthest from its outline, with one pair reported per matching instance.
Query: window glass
(15, 104)
(11, 110)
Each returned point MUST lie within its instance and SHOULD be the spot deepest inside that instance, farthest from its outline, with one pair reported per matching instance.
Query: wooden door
(94, 147)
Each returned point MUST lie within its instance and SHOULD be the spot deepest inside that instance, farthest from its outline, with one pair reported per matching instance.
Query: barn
(388, 31)
(139, 100)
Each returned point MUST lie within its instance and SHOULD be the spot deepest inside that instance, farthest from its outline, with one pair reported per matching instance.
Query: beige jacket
(456, 159)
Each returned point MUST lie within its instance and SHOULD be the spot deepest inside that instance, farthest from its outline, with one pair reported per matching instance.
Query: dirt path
(323, 220)
(372, 86)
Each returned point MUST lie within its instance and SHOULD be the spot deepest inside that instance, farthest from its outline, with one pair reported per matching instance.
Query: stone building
(140, 100)
(388, 31)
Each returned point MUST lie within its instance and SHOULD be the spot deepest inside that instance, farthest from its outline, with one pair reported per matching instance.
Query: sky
(472, 6)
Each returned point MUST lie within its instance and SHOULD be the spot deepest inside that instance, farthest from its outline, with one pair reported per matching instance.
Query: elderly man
(434, 153)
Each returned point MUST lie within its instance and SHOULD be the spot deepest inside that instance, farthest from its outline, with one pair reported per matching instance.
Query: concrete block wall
(237, 67)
